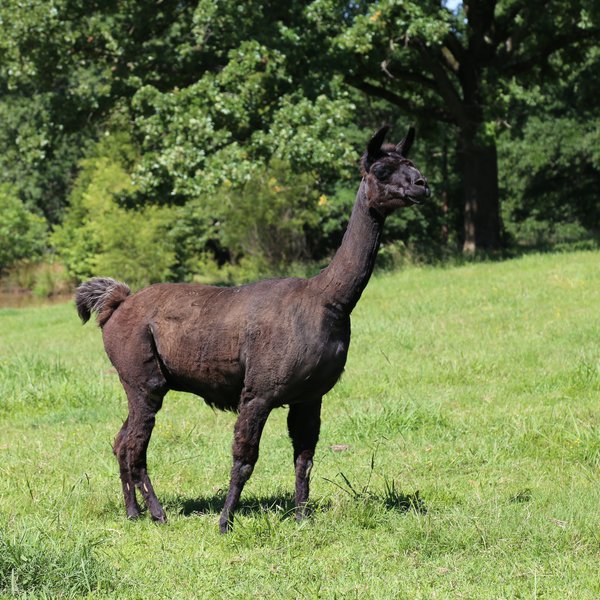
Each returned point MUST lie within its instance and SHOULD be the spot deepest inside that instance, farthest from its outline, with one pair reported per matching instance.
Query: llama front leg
(248, 429)
(304, 424)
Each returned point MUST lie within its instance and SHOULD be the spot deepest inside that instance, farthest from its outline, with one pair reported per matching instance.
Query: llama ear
(374, 148)
(403, 147)
(376, 141)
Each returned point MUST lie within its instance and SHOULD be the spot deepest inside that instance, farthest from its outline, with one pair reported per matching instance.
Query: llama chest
(299, 362)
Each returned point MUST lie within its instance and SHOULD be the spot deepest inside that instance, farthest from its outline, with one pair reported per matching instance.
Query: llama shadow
(282, 504)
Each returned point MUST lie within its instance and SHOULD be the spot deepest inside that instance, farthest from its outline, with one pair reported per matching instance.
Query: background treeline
(182, 140)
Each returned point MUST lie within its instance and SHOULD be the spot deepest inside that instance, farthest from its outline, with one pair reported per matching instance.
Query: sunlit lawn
(459, 455)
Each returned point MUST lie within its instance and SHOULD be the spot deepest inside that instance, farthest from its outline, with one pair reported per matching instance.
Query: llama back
(101, 295)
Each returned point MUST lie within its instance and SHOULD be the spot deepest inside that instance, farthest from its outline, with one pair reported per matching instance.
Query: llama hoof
(225, 526)
(302, 512)
(160, 518)
(133, 514)
(301, 516)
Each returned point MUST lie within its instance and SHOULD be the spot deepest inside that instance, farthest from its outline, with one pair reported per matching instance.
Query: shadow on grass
(404, 502)
(391, 498)
(282, 503)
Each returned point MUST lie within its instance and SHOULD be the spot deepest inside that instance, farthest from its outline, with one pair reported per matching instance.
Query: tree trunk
(482, 204)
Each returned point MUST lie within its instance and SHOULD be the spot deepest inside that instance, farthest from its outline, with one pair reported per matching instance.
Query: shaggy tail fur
(101, 295)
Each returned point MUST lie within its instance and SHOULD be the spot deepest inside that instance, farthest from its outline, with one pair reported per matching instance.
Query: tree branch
(513, 37)
(455, 47)
(558, 42)
(402, 103)
(400, 73)
(445, 87)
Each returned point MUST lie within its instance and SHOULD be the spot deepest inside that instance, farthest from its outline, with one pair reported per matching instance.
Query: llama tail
(101, 295)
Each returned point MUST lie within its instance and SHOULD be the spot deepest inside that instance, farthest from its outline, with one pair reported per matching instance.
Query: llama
(251, 348)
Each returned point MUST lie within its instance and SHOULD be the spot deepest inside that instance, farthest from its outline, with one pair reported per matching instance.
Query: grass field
(459, 455)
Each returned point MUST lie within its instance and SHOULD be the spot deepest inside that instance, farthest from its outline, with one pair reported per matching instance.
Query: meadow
(459, 455)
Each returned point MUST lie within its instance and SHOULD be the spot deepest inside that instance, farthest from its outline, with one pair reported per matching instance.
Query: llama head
(392, 181)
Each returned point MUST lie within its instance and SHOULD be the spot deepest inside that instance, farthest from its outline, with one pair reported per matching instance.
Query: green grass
(469, 408)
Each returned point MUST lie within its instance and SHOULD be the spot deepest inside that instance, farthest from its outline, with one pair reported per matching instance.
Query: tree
(64, 67)
(456, 68)
(211, 92)
(552, 155)
(22, 233)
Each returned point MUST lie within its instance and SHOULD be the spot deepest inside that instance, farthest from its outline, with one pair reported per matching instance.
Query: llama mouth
(419, 195)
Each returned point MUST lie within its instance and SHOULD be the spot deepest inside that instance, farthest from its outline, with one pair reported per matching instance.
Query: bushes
(100, 237)
(552, 168)
(44, 278)
(272, 218)
(22, 233)
(268, 218)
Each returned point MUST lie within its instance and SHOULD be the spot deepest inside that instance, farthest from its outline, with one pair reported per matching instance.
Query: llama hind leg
(131, 506)
(304, 424)
(142, 416)
(248, 429)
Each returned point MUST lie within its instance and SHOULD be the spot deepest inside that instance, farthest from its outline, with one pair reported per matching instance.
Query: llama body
(273, 337)
(250, 348)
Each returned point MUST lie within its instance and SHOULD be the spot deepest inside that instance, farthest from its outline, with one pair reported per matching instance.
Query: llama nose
(421, 182)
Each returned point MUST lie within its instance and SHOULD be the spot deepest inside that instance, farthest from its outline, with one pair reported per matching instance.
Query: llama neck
(344, 280)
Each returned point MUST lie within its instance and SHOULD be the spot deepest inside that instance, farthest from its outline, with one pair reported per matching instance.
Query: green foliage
(211, 92)
(226, 125)
(267, 220)
(64, 66)
(100, 236)
(23, 234)
(552, 161)
(183, 129)
(134, 245)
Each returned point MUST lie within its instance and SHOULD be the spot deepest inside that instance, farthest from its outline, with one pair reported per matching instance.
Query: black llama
(251, 348)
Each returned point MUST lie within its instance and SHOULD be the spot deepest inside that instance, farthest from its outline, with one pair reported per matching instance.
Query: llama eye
(382, 172)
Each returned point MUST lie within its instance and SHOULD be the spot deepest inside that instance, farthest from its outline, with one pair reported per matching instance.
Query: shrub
(44, 278)
(22, 234)
(100, 237)
(266, 221)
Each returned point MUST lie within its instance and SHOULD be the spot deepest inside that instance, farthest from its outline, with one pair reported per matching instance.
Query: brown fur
(250, 348)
